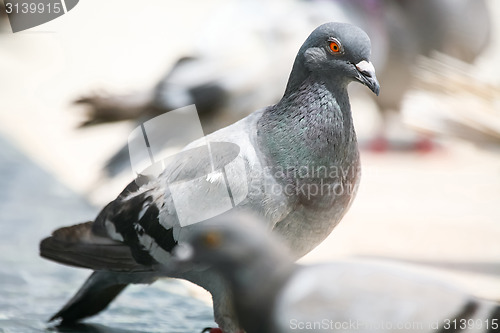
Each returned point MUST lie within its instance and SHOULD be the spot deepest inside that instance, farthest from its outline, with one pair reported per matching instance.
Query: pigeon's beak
(366, 75)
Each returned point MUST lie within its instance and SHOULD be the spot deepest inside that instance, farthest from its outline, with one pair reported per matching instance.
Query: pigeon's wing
(209, 177)
(91, 245)
(78, 246)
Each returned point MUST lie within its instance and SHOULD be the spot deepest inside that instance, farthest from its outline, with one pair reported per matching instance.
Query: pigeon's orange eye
(212, 239)
(335, 47)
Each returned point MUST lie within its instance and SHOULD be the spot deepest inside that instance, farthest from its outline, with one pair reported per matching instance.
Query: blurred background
(71, 91)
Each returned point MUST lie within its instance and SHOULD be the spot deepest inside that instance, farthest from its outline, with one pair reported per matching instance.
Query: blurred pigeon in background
(272, 294)
(309, 129)
(225, 85)
(459, 29)
(454, 102)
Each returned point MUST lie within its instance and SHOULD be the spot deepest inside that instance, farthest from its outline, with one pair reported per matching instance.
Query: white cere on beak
(365, 67)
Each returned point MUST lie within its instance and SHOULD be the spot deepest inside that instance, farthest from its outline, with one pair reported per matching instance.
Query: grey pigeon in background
(449, 90)
(272, 294)
(216, 76)
(423, 28)
(299, 169)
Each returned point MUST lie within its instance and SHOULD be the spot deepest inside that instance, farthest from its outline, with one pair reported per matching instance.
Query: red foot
(425, 145)
(212, 330)
(379, 144)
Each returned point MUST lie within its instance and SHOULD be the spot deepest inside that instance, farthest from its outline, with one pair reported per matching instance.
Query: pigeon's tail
(94, 296)
(78, 246)
(102, 108)
(114, 264)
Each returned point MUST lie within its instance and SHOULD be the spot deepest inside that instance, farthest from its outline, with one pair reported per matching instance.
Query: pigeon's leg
(223, 307)
(379, 143)
(224, 314)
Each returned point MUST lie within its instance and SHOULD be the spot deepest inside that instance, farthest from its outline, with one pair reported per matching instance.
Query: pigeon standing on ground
(300, 169)
(272, 294)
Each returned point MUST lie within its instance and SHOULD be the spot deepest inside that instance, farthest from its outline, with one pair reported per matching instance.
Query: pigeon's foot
(379, 144)
(425, 145)
(212, 330)
(216, 330)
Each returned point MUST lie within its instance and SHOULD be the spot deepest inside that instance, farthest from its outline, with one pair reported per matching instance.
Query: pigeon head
(336, 51)
(229, 242)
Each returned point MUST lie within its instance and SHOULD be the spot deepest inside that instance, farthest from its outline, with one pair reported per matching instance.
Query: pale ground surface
(441, 209)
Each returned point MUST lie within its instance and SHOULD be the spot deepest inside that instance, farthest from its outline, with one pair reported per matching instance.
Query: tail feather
(94, 296)
(112, 261)
(78, 246)
(105, 108)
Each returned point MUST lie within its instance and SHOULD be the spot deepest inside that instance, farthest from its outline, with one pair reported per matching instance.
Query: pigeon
(295, 164)
(447, 24)
(450, 90)
(272, 294)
